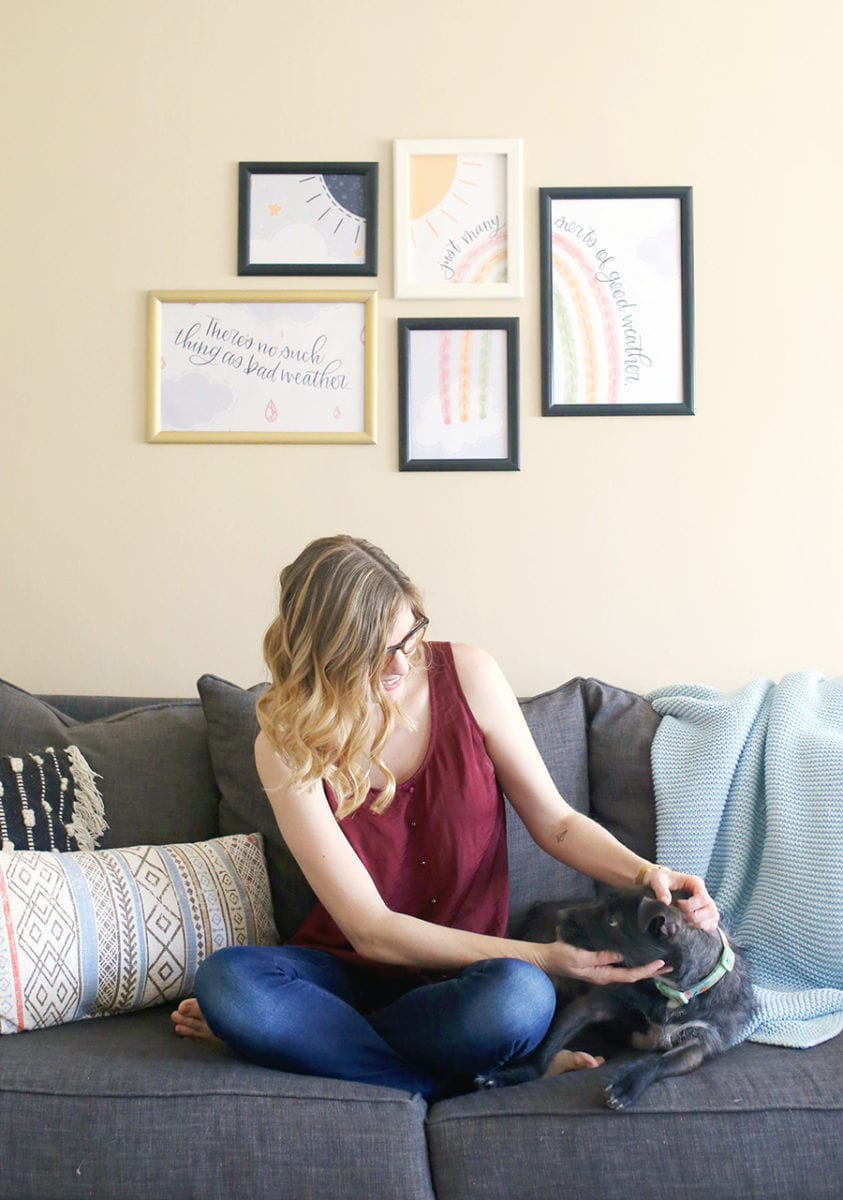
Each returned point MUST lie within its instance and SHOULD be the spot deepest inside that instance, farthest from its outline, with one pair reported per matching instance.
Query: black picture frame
(328, 205)
(431, 368)
(591, 281)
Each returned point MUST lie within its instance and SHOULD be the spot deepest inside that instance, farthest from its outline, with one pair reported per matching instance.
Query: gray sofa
(121, 1108)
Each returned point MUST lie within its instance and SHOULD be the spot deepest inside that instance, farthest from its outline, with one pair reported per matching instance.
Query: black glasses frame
(391, 651)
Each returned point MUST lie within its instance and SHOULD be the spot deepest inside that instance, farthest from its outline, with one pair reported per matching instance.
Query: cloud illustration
(477, 437)
(193, 401)
(661, 252)
(291, 244)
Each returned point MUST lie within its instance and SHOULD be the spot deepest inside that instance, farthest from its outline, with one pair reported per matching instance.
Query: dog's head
(633, 923)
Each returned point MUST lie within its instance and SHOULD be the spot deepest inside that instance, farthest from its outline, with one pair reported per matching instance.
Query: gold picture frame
(262, 366)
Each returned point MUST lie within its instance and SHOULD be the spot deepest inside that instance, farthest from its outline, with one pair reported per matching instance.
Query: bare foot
(572, 1060)
(190, 1023)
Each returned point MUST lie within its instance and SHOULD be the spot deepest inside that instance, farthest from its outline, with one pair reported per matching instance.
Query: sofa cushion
(155, 772)
(124, 1109)
(621, 728)
(232, 729)
(556, 719)
(756, 1123)
(557, 722)
(90, 933)
(49, 801)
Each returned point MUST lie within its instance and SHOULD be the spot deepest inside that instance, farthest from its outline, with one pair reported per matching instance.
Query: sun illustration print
(432, 178)
(338, 199)
(309, 218)
(457, 217)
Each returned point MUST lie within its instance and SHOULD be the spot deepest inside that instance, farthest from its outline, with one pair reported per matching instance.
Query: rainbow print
(470, 383)
(486, 262)
(617, 301)
(458, 389)
(586, 330)
(457, 214)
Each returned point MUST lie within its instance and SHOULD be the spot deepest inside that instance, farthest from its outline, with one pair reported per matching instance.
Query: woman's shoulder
(481, 679)
(468, 660)
(471, 658)
(272, 769)
(276, 777)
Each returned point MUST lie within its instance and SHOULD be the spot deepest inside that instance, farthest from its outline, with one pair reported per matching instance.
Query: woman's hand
(600, 966)
(699, 908)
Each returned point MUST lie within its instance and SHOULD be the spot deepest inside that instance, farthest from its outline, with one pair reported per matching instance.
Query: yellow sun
(435, 179)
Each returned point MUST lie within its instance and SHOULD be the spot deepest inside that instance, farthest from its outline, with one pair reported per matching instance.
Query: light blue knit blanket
(749, 795)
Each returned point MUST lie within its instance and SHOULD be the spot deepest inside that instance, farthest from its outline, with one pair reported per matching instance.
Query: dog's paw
(622, 1092)
(616, 1098)
(504, 1077)
(484, 1082)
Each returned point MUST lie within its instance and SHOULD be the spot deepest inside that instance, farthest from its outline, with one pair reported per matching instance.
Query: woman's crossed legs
(302, 1010)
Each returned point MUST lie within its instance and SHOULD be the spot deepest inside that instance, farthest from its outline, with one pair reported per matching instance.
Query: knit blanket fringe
(749, 795)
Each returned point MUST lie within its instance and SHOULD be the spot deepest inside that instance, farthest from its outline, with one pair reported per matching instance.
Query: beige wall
(641, 550)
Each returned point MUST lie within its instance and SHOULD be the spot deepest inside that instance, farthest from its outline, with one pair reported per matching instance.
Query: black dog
(700, 1009)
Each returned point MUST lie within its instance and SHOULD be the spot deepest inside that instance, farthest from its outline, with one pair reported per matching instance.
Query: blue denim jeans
(306, 1011)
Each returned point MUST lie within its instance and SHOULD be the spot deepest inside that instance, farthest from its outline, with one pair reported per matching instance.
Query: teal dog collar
(724, 964)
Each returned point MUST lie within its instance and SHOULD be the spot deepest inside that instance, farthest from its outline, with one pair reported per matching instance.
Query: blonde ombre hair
(326, 651)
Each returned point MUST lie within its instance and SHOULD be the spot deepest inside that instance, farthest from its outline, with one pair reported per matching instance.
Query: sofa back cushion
(557, 722)
(153, 767)
(184, 771)
(595, 739)
(556, 719)
(244, 808)
(621, 728)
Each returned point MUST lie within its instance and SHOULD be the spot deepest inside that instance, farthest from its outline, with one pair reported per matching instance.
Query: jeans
(301, 1010)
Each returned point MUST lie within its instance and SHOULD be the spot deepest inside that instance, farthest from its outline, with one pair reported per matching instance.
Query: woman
(384, 759)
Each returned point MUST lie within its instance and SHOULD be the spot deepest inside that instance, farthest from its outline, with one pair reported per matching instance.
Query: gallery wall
(642, 550)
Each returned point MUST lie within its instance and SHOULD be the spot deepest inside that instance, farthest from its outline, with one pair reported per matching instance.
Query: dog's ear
(657, 919)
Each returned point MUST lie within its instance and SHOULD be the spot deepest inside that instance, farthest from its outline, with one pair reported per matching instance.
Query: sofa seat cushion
(759, 1122)
(154, 769)
(136, 1113)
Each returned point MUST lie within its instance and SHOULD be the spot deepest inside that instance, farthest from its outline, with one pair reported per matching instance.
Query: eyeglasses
(408, 644)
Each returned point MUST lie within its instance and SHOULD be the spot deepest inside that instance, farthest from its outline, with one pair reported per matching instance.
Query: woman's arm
(345, 888)
(565, 834)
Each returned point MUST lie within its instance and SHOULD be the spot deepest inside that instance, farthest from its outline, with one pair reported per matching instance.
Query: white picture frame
(458, 218)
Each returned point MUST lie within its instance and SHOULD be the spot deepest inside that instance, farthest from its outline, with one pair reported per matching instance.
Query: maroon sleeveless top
(438, 852)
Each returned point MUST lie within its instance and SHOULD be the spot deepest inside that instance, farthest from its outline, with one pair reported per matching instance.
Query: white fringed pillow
(90, 933)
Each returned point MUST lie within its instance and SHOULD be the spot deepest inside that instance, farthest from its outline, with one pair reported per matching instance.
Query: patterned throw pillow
(90, 933)
(49, 801)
